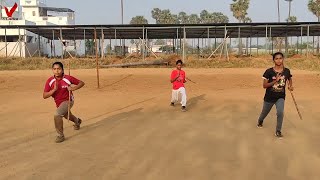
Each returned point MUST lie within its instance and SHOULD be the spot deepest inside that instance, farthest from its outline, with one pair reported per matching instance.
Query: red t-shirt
(62, 93)
(179, 82)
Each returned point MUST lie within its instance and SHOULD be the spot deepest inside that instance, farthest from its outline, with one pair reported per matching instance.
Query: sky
(109, 11)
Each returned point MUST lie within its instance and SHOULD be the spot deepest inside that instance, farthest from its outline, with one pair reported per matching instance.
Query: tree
(218, 17)
(183, 18)
(215, 17)
(139, 20)
(292, 19)
(247, 20)
(239, 9)
(156, 12)
(164, 16)
(193, 19)
(89, 46)
(167, 18)
(205, 17)
(314, 7)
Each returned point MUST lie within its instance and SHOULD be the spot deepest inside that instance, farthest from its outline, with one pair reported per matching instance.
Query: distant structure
(22, 43)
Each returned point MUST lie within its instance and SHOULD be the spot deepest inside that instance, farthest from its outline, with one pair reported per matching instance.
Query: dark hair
(179, 61)
(58, 63)
(277, 53)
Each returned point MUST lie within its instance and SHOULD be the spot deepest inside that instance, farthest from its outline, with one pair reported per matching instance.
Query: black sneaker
(183, 109)
(278, 134)
(259, 125)
(76, 126)
(172, 104)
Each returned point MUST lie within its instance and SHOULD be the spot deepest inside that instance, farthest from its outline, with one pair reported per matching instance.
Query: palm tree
(314, 7)
(239, 9)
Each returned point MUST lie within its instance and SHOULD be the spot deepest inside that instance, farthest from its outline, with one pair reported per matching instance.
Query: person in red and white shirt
(58, 87)
(178, 78)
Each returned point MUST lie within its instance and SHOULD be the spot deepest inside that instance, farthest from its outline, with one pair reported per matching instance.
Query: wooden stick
(191, 80)
(222, 43)
(295, 103)
(145, 44)
(69, 101)
(69, 105)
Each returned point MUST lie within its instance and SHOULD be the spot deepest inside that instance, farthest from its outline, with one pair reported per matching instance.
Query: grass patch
(302, 63)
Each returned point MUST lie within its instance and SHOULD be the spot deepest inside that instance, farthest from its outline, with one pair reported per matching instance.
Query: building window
(33, 13)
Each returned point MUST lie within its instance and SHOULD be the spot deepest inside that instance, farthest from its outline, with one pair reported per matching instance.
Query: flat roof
(56, 9)
(170, 31)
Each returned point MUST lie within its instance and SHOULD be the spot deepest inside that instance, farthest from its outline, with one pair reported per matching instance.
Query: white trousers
(176, 94)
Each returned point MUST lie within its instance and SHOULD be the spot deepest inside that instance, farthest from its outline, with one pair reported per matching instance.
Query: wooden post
(39, 50)
(266, 50)
(184, 42)
(102, 44)
(75, 43)
(5, 39)
(85, 43)
(20, 47)
(96, 49)
(143, 48)
(61, 38)
(301, 40)
(308, 33)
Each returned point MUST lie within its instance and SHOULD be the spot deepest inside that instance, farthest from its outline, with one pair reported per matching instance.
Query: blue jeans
(266, 109)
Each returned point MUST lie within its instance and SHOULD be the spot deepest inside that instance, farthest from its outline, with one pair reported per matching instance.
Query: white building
(24, 43)
(154, 48)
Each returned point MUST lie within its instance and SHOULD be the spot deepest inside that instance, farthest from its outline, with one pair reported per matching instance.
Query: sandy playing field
(131, 133)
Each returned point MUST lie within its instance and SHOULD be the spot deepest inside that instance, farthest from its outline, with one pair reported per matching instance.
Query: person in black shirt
(274, 81)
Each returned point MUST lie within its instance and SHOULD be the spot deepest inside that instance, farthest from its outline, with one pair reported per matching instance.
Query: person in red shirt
(178, 78)
(58, 87)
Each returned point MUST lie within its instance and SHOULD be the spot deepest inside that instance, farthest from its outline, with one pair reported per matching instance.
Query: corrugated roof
(166, 31)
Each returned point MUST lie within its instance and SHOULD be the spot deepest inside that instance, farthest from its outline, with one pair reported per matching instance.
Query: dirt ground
(130, 132)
